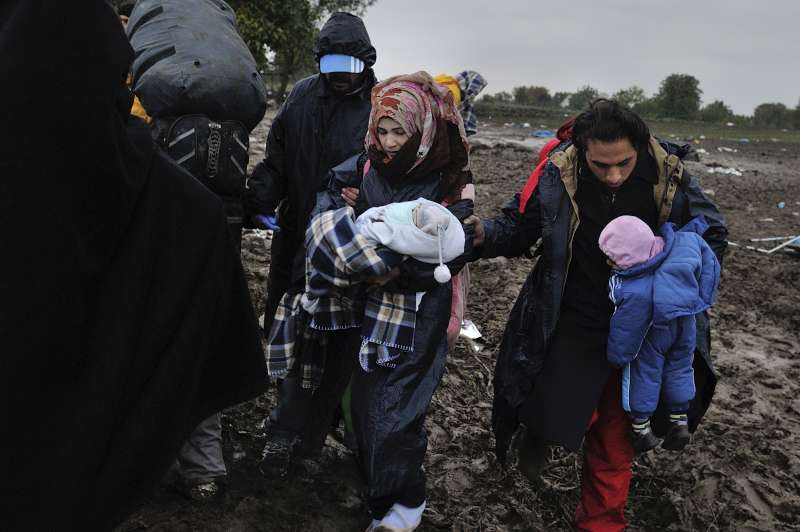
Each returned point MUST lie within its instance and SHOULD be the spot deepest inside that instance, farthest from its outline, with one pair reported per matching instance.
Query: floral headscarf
(426, 112)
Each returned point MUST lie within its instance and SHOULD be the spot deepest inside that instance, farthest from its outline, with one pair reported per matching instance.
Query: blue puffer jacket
(682, 280)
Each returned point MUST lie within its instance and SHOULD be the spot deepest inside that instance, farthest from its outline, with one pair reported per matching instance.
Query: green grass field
(552, 118)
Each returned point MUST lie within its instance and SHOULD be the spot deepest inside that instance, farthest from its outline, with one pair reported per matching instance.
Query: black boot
(677, 434)
(532, 456)
(642, 435)
(277, 454)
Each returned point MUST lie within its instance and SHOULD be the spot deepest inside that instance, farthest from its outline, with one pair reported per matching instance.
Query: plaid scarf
(338, 261)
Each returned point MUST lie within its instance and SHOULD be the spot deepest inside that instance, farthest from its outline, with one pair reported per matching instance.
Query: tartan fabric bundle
(471, 84)
(338, 261)
(292, 342)
(388, 328)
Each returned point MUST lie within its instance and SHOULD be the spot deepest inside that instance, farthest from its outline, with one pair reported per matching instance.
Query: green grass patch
(550, 118)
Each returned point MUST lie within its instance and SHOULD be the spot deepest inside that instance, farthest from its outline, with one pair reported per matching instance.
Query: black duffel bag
(191, 59)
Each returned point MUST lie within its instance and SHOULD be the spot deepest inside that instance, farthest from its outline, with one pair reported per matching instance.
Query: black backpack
(216, 153)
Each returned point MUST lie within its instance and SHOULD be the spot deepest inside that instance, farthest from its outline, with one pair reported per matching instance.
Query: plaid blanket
(338, 262)
(293, 345)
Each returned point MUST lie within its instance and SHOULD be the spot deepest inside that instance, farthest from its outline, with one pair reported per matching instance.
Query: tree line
(678, 97)
(281, 34)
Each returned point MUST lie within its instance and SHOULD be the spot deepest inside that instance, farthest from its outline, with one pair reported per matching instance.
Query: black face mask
(344, 83)
(396, 169)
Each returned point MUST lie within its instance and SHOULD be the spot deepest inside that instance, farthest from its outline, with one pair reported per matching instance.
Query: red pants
(607, 461)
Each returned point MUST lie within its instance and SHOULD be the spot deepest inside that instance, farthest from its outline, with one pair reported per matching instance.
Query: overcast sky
(743, 52)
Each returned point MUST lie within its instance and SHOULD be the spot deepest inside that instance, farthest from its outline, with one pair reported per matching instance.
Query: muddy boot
(206, 491)
(349, 441)
(642, 436)
(531, 456)
(305, 464)
(677, 434)
(276, 456)
(212, 491)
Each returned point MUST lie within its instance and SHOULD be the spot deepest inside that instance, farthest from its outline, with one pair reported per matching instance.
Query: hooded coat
(313, 131)
(125, 319)
(647, 330)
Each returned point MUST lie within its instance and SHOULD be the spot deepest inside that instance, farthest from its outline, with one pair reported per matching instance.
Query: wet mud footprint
(755, 499)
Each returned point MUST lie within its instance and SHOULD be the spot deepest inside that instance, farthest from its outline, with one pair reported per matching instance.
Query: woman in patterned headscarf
(415, 131)
(415, 148)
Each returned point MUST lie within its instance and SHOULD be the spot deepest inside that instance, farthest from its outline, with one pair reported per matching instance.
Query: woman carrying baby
(416, 149)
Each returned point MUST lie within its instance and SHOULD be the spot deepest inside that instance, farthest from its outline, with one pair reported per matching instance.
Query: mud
(741, 471)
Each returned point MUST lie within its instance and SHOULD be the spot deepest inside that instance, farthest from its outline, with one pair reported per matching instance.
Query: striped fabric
(338, 261)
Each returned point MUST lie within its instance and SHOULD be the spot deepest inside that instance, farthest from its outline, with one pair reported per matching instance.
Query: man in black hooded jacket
(322, 123)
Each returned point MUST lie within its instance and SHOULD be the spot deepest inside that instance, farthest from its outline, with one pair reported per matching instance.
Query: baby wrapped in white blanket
(421, 229)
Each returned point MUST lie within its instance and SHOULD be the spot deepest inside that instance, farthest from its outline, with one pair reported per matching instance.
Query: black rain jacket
(389, 426)
(313, 131)
(552, 216)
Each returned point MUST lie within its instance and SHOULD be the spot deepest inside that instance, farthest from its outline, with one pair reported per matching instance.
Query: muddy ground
(741, 472)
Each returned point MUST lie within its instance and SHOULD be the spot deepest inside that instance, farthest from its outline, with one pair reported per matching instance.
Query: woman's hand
(350, 195)
(480, 233)
(385, 278)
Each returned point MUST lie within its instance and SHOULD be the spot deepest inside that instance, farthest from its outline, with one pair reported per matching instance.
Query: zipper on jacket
(569, 261)
(613, 283)
(644, 337)
(573, 230)
(672, 181)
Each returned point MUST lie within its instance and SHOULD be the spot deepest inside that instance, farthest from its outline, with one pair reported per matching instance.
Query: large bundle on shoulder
(190, 59)
(196, 77)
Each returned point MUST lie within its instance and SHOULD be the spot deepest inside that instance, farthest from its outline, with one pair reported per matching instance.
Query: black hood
(345, 34)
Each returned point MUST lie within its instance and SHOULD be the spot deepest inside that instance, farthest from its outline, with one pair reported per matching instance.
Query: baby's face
(427, 218)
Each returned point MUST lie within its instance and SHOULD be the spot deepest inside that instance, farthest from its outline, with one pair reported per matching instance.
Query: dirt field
(741, 472)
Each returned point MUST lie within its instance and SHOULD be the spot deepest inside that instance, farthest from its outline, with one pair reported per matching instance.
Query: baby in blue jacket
(658, 284)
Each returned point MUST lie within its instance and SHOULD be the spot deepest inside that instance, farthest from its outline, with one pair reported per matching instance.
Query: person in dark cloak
(125, 317)
(322, 123)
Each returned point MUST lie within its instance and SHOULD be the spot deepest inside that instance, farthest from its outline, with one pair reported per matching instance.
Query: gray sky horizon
(743, 52)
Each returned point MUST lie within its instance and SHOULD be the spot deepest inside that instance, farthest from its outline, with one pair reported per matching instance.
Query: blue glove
(268, 221)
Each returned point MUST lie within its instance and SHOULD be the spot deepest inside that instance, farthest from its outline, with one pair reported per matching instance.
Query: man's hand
(350, 195)
(267, 221)
(480, 233)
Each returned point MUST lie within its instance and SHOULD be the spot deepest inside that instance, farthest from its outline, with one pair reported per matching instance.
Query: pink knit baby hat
(628, 241)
